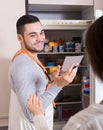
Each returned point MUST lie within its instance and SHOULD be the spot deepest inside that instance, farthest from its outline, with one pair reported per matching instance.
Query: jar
(46, 47)
(51, 44)
(61, 48)
(55, 49)
(70, 46)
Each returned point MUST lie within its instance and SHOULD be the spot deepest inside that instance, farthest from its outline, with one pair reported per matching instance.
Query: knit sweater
(26, 78)
(90, 118)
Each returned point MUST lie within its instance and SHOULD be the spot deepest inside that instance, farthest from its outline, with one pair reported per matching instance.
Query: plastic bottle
(85, 92)
(85, 85)
(46, 45)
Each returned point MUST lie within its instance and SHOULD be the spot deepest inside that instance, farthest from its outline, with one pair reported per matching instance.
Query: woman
(90, 118)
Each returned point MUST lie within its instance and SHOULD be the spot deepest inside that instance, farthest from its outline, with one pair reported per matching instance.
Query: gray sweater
(26, 77)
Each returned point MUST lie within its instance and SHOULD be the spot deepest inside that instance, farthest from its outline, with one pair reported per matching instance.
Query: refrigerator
(66, 26)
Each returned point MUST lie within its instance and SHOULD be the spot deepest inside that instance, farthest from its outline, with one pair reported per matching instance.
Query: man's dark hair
(25, 19)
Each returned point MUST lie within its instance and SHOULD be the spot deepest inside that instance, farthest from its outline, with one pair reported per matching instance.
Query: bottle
(85, 92)
(51, 44)
(46, 47)
(85, 85)
(77, 47)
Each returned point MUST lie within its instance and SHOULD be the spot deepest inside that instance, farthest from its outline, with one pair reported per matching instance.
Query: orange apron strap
(22, 51)
(16, 54)
(47, 87)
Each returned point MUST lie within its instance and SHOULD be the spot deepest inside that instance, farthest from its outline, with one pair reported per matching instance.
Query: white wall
(10, 11)
(98, 88)
(98, 8)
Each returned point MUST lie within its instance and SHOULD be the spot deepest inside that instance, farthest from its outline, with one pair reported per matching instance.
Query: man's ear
(20, 38)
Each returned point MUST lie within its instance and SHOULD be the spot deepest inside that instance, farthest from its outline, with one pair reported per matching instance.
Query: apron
(17, 119)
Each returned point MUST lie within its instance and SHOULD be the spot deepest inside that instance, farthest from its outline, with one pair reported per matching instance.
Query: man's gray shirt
(26, 77)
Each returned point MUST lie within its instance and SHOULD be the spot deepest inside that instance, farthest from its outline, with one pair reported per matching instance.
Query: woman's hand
(34, 105)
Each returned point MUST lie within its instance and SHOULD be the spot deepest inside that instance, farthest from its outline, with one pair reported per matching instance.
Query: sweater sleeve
(40, 122)
(89, 118)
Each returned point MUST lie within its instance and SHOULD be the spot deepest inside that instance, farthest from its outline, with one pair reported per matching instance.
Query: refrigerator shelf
(66, 24)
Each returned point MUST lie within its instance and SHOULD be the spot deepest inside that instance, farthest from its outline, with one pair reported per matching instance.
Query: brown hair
(94, 46)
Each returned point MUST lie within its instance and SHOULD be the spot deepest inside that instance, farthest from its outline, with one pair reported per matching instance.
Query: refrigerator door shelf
(66, 24)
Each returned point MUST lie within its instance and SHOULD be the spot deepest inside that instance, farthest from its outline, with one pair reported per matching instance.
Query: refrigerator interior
(57, 20)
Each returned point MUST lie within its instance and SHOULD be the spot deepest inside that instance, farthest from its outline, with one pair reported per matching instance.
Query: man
(28, 76)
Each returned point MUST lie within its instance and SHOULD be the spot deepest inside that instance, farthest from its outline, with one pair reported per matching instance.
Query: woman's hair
(25, 19)
(94, 46)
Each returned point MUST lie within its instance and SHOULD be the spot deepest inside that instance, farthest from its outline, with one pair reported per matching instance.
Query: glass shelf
(62, 103)
(58, 53)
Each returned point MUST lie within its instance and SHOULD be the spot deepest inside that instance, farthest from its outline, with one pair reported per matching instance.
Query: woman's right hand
(34, 105)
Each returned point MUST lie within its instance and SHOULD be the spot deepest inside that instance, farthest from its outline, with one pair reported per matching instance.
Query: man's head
(22, 21)
(30, 33)
(94, 46)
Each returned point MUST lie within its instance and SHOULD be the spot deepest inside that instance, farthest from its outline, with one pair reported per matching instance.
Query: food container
(55, 49)
(61, 48)
(77, 47)
(69, 46)
(52, 69)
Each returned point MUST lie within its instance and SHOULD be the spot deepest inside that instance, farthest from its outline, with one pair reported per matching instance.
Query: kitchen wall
(10, 11)
(98, 11)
